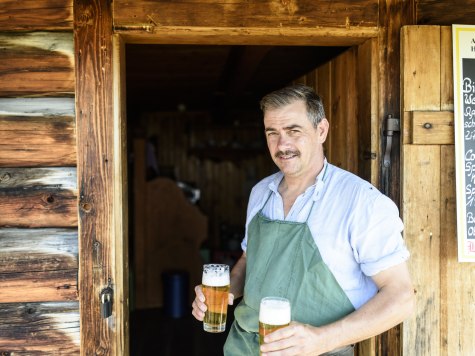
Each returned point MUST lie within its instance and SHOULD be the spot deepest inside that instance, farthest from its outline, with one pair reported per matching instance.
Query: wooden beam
(39, 328)
(270, 36)
(36, 63)
(96, 173)
(38, 197)
(436, 12)
(37, 141)
(245, 14)
(36, 15)
(432, 127)
(393, 14)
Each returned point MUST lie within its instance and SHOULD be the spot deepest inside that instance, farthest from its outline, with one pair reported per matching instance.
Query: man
(319, 236)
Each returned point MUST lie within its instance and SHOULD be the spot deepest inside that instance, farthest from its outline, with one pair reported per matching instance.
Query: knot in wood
(5, 177)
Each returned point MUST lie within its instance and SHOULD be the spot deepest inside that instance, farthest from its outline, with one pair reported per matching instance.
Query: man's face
(294, 144)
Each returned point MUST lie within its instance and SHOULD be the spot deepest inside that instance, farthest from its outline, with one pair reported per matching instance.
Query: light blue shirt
(356, 228)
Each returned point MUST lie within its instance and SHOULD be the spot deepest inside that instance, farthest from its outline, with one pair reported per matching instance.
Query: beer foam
(274, 312)
(216, 277)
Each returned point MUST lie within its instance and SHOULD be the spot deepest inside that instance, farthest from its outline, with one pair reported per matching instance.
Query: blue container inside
(175, 293)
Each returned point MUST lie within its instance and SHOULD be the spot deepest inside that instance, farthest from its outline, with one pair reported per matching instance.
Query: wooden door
(445, 316)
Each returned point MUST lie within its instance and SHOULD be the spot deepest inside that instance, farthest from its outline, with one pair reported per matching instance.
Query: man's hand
(199, 306)
(295, 339)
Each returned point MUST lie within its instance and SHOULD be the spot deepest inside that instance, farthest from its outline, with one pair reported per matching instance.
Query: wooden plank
(457, 279)
(39, 286)
(446, 70)
(421, 65)
(95, 169)
(421, 216)
(36, 15)
(37, 141)
(41, 107)
(120, 224)
(38, 197)
(242, 13)
(34, 250)
(368, 133)
(39, 328)
(36, 63)
(432, 127)
(436, 12)
(344, 124)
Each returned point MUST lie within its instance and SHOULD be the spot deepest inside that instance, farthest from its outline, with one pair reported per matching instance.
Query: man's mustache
(286, 153)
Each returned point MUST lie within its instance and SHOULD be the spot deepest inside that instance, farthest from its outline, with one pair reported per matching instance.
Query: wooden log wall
(39, 309)
(445, 301)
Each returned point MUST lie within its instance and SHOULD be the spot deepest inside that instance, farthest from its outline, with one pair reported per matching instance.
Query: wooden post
(97, 186)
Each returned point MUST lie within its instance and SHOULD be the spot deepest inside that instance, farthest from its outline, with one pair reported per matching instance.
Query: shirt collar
(317, 187)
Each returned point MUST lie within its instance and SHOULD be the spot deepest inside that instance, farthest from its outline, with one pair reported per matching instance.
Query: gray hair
(288, 95)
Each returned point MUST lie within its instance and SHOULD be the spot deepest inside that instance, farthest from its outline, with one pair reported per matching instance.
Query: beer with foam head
(274, 314)
(215, 286)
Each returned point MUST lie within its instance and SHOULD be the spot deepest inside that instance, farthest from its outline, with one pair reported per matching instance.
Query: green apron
(283, 260)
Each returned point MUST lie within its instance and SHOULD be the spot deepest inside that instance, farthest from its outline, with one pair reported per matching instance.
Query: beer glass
(215, 286)
(274, 313)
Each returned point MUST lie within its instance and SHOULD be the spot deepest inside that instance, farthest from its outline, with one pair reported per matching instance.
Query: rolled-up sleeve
(378, 244)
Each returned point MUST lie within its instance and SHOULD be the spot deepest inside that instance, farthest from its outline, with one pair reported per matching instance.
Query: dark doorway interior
(195, 149)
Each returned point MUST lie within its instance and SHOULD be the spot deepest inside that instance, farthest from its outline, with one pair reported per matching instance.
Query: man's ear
(322, 128)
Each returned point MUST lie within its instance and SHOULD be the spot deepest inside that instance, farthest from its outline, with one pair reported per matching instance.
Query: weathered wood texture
(335, 82)
(95, 169)
(241, 13)
(420, 211)
(36, 63)
(392, 15)
(432, 127)
(37, 141)
(39, 328)
(36, 15)
(243, 22)
(38, 197)
(435, 12)
(37, 107)
(445, 303)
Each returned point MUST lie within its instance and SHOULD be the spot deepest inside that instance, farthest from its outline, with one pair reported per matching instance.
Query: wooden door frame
(193, 37)
(101, 140)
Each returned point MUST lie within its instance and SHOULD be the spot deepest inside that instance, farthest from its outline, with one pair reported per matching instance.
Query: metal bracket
(392, 126)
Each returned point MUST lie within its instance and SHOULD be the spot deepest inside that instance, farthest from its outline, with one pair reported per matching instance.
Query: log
(30, 250)
(36, 15)
(38, 197)
(39, 328)
(37, 107)
(36, 63)
(37, 141)
(39, 286)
